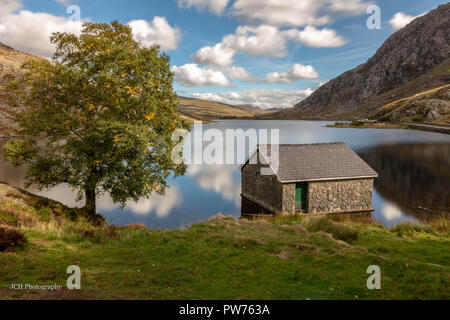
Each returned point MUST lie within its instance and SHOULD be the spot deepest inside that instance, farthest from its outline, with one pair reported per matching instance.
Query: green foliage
(8, 217)
(18, 151)
(357, 123)
(418, 118)
(106, 110)
(45, 214)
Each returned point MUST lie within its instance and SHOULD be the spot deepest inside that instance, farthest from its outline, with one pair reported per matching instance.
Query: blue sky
(261, 52)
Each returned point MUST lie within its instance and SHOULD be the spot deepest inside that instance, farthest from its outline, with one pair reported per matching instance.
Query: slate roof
(322, 161)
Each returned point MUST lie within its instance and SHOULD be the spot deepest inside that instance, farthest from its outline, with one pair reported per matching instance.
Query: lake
(413, 167)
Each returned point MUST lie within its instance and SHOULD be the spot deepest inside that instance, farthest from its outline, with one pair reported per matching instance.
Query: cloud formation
(9, 6)
(263, 40)
(191, 75)
(218, 55)
(296, 72)
(30, 31)
(295, 13)
(266, 41)
(240, 73)
(263, 98)
(158, 31)
(400, 19)
(214, 6)
(318, 38)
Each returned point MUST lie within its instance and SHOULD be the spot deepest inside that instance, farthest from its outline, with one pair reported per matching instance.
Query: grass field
(223, 258)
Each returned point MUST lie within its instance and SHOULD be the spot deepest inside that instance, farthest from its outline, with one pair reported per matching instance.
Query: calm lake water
(414, 169)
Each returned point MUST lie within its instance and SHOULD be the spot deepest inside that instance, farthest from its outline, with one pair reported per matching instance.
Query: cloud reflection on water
(218, 178)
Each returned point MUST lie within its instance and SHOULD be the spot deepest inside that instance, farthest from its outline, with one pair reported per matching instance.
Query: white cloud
(191, 75)
(30, 32)
(318, 38)
(297, 13)
(254, 41)
(296, 72)
(157, 31)
(263, 98)
(218, 55)
(400, 19)
(263, 40)
(239, 73)
(9, 6)
(64, 2)
(214, 6)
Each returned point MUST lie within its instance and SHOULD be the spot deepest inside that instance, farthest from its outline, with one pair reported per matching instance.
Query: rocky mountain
(428, 106)
(412, 60)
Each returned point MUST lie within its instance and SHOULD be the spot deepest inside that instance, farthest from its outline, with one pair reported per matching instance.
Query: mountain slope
(10, 62)
(205, 110)
(430, 106)
(418, 49)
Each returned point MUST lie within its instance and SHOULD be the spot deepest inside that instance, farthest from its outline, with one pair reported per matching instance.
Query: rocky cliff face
(418, 49)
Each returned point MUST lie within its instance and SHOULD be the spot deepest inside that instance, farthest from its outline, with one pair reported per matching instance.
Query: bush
(10, 238)
(357, 123)
(8, 217)
(45, 214)
(339, 230)
(417, 118)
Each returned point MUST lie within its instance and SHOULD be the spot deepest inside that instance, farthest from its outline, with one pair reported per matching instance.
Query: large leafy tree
(101, 117)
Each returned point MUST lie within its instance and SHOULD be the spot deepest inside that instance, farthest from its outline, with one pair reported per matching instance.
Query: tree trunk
(90, 207)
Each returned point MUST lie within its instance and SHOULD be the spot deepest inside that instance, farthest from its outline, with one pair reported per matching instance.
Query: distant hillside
(253, 109)
(414, 59)
(205, 110)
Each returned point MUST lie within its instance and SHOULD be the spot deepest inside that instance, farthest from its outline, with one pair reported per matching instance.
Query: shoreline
(405, 126)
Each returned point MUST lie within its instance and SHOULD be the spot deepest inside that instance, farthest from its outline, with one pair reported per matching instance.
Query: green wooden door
(300, 195)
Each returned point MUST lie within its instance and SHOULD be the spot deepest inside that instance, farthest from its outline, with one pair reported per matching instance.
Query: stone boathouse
(311, 178)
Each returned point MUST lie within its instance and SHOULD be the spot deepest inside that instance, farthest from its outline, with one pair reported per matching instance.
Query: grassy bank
(368, 125)
(282, 258)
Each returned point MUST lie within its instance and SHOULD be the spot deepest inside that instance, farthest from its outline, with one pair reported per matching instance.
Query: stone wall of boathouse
(340, 196)
(264, 190)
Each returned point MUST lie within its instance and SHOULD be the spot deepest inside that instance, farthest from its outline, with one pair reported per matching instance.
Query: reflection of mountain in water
(413, 176)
